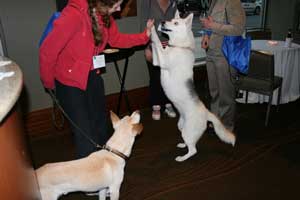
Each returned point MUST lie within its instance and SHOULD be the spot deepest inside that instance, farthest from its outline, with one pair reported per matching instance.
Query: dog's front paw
(181, 145)
(179, 158)
(152, 30)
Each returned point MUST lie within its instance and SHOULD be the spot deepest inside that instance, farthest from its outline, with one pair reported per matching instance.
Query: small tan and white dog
(101, 171)
(176, 62)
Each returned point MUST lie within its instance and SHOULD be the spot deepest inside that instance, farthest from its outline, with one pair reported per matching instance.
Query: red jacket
(66, 53)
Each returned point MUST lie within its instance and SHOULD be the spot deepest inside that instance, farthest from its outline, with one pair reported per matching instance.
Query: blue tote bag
(49, 26)
(236, 50)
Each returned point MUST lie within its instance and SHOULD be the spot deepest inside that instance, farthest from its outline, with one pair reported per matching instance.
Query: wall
(280, 16)
(24, 22)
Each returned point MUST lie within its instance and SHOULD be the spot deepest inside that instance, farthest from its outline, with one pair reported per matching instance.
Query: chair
(3, 48)
(261, 79)
(296, 37)
(259, 34)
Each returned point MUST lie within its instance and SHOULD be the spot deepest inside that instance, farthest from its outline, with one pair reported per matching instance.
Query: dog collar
(114, 151)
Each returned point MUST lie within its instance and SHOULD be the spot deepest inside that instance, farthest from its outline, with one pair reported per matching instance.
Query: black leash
(98, 146)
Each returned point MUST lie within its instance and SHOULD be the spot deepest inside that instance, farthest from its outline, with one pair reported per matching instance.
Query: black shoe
(210, 128)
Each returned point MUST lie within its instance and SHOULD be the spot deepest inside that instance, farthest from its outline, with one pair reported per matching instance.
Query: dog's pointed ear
(189, 20)
(114, 118)
(177, 14)
(135, 117)
(137, 128)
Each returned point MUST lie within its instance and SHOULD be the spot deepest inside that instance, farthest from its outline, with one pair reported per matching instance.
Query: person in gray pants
(225, 17)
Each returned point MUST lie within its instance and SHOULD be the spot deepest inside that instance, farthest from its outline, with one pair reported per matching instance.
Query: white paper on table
(6, 74)
(3, 63)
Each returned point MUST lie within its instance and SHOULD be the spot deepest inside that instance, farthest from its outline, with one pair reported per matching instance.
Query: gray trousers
(221, 87)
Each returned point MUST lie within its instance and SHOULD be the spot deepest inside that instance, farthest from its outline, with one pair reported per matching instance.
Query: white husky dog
(176, 63)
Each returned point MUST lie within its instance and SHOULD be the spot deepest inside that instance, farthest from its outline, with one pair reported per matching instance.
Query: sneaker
(156, 112)
(210, 128)
(169, 110)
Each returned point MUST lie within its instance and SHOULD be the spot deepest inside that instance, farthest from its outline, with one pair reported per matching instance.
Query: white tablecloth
(287, 65)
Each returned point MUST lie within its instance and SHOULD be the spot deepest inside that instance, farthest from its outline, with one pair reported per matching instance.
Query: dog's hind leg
(190, 143)
(180, 123)
(191, 151)
(180, 127)
(191, 133)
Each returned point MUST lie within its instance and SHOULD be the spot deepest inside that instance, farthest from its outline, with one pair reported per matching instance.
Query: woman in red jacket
(70, 62)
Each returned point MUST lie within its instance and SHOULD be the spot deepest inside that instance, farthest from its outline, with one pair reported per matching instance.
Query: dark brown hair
(101, 7)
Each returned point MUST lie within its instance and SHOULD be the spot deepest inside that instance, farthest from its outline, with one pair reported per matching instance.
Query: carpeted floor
(264, 164)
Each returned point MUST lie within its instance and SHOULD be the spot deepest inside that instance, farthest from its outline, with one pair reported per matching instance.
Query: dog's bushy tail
(223, 133)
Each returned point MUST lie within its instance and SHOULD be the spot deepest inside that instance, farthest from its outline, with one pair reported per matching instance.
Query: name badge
(98, 61)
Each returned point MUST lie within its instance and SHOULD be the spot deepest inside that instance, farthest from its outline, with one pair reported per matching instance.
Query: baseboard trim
(39, 123)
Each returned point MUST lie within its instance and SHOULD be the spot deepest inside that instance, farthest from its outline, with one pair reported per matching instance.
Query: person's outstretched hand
(207, 22)
(150, 24)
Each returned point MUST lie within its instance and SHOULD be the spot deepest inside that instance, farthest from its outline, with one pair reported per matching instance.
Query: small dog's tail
(223, 133)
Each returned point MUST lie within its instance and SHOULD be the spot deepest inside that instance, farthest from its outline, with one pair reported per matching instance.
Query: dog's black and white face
(179, 31)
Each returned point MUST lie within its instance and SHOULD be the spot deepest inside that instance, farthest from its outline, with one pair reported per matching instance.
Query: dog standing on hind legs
(101, 171)
(176, 62)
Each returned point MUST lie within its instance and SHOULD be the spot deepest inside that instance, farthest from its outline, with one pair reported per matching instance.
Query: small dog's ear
(189, 19)
(135, 117)
(114, 118)
(137, 128)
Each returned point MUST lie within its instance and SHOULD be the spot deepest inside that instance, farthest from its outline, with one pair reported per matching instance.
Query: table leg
(122, 79)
